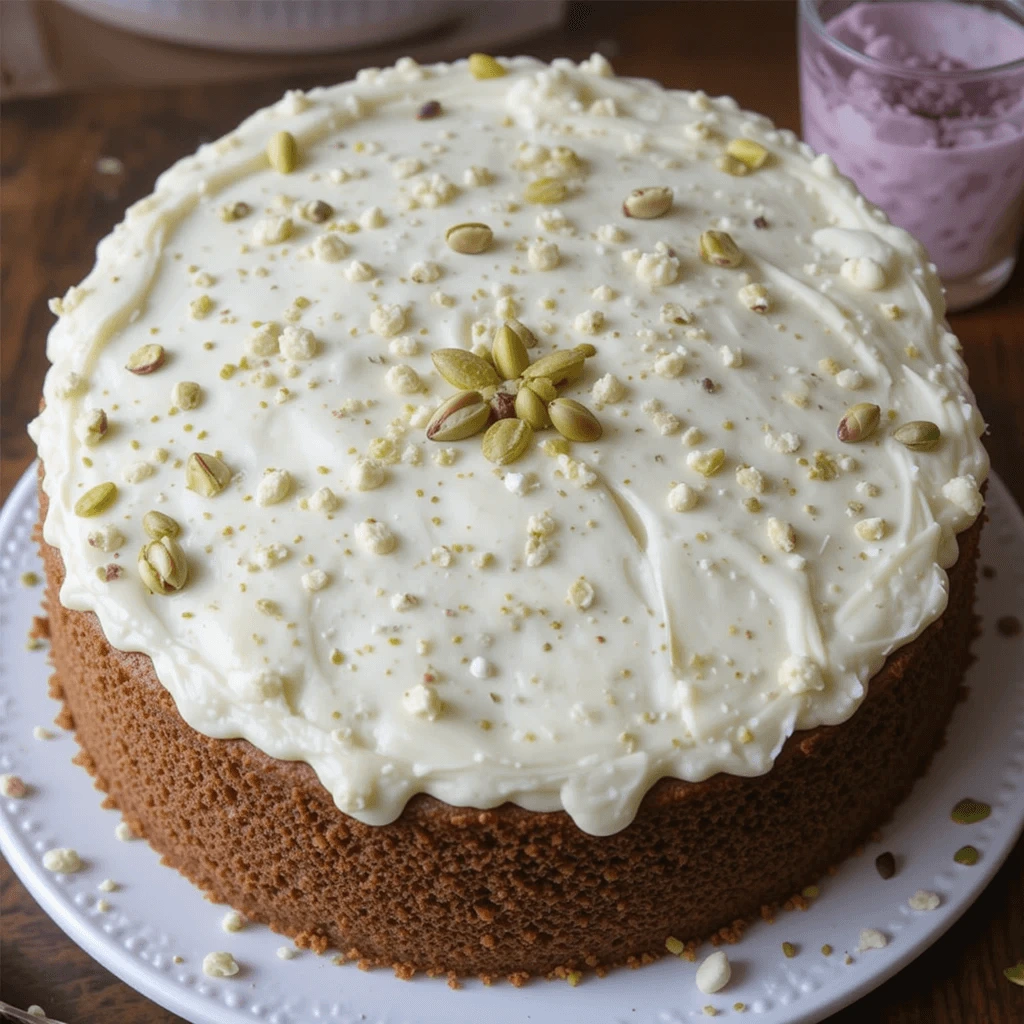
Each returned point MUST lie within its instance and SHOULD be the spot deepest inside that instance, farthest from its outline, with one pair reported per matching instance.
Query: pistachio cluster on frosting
(733, 437)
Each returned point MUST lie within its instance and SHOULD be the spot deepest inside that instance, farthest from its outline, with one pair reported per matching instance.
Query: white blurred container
(313, 26)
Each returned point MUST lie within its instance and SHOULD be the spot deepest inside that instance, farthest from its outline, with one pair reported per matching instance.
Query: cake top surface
(788, 443)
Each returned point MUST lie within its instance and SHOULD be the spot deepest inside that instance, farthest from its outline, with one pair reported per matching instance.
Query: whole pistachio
(719, 249)
(749, 153)
(158, 525)
(206, 474)
(146, 359)
(648, 203)
(918, 435)
(531, 408)
(283, 152)
(163, 566)
(461, 416)
(574, 421)
(545, 191)
(560, 367)
(96, 500)
(509, 352)
(506, 441)
(483, 65)
(469, 239)
(859, 422)
(463, 369)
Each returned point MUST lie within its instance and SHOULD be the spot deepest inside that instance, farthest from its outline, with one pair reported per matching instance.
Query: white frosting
(564, 637)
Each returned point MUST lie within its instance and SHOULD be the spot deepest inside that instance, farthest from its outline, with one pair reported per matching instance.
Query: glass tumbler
(921, 103)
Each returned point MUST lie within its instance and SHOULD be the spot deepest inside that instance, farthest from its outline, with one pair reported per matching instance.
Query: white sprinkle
(366, 474)
(682, 498)
(123, 832)
(232, 921)
(714, 973)
(480, 668)
(219, 965)
(314, 580)
(799, 674)
(871, 938)
(376, 537)
(62, 860)
(924, 900)
(274, 486)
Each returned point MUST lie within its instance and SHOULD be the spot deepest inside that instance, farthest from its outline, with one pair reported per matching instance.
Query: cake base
(502, 892)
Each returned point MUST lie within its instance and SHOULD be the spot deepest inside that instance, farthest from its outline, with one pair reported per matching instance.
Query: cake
(501, 517)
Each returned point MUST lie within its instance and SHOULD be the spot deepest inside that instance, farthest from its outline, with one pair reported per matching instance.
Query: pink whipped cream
(939, 149)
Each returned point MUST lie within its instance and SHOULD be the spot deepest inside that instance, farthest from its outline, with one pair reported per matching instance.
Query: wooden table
(56, 205)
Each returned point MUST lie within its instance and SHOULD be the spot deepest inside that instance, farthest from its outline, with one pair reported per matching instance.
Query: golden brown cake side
(503, 891)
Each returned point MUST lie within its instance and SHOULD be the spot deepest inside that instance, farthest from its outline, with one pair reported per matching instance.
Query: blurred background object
(49, 46)
(922, 104)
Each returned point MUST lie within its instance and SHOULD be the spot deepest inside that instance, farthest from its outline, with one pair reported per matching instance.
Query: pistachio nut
(719, 249)
(506, 441)
(158, 525)
(429, 110)
(163, 566)
(317, 211)
(146, 359)
(560, 367)
(206, 474)
(573, 420)
(464, 370)
(730, 165)
(543, 387)
(545, 191)
(483, 65)
(749, 153)
(93, 427)
(96, 500)
(234, 211)
(531, 408)
(503, 405)
(469, 239)
(555, 446)
(586, 350)
(918, 435)
(461, 416)
(186, 394)
(859, 422)
(648, 203)
(566, 158)
(283, 152)
(509, 353)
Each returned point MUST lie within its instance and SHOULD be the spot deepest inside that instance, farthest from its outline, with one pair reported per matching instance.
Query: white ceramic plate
(156, 915)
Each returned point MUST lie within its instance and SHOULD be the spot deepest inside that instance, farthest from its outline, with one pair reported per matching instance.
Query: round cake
(501, 518)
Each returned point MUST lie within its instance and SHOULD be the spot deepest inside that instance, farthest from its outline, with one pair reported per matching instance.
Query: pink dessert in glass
(922, 105)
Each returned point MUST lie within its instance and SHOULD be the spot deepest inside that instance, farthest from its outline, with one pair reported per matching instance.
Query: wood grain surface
(55, 205)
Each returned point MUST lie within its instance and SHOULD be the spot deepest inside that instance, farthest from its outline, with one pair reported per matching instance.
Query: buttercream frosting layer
(675, 598)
